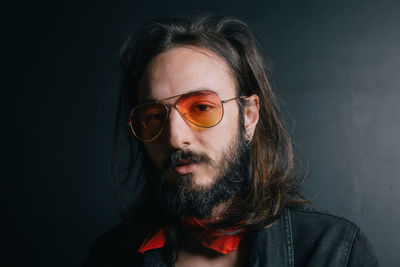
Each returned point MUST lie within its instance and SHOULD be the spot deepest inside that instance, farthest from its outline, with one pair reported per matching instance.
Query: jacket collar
(274, 245)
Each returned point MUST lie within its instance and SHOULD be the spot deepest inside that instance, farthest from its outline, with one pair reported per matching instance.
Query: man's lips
(185, 166)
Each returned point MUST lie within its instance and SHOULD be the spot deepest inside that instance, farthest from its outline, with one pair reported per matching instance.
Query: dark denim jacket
(301, 237)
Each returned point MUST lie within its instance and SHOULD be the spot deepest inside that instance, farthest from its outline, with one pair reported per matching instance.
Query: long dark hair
(273, 173)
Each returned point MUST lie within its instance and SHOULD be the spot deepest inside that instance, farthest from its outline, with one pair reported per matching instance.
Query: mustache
(172, 160)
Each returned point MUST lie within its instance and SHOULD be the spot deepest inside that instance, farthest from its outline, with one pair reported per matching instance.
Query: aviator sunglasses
(202, 108)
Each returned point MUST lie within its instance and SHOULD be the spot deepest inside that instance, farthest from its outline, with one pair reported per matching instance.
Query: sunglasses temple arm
(238, 97)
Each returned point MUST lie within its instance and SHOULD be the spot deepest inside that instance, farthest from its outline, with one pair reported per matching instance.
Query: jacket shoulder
(117, 247)
(322, 239)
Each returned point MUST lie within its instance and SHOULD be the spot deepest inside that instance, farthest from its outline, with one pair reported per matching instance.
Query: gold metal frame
(175, 105)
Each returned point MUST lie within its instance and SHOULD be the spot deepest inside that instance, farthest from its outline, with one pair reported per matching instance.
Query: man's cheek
(155, 156)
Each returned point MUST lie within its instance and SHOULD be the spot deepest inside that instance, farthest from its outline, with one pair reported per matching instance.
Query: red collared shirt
(216, 241)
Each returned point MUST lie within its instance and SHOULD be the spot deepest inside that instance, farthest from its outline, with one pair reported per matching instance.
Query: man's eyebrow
(202, 88)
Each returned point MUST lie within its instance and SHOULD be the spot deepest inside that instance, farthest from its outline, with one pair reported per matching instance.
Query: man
(220, 187)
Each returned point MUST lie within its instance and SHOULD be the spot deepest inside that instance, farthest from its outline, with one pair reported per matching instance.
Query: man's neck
(218, 211)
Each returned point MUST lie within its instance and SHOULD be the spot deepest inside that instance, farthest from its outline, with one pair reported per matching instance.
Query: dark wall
(336, 67)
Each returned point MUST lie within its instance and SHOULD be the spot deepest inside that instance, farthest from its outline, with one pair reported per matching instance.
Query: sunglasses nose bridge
(169, 108)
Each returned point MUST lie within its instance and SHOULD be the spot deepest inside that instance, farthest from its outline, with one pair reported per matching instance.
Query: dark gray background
(336, 68)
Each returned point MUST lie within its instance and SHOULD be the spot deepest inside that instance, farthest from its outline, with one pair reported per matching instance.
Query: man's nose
(180, 133)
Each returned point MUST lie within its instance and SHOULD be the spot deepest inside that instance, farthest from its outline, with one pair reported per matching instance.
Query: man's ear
(251, 115)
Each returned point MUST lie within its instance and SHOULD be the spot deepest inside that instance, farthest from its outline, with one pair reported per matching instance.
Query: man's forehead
(183, 70)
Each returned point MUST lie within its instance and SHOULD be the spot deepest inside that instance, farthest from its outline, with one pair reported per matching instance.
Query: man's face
(179, 71)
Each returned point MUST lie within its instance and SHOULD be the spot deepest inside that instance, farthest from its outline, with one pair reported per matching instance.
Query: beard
(185, 199)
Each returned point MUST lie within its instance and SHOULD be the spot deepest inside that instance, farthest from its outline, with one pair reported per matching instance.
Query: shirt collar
(215, 240)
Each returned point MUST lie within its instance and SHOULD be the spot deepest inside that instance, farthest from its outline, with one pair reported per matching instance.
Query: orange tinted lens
(147, 121)
(202, 108)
